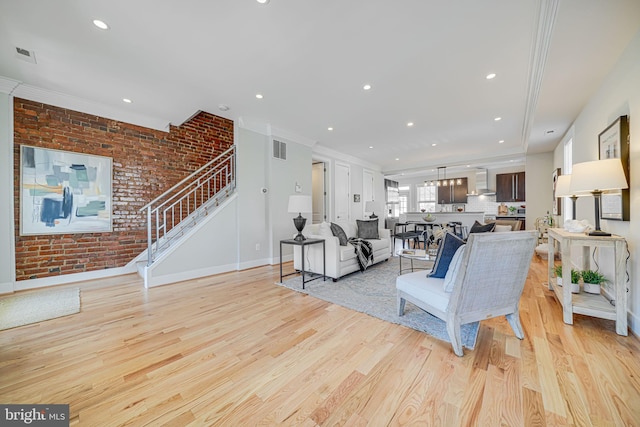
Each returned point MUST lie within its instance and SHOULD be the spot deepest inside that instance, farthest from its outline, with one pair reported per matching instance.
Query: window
(393, 198)
(403, 199)
(426, 196)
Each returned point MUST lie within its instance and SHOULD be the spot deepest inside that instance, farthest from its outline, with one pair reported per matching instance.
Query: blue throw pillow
(448, 247)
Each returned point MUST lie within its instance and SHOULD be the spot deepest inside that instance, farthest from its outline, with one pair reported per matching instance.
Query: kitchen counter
(466, 218)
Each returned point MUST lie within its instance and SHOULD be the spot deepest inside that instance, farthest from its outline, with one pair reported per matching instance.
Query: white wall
(618, 95)
(539, 187)
(283, 176)
(252, 149)
(7, 238)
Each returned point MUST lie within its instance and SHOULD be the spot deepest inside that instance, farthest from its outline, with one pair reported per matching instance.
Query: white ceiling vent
(26, 55)
(279, 150)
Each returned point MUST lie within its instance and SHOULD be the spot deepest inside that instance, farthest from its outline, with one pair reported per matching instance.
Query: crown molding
(8, 85)
(34, 93)
(324, 151)
(546, 20)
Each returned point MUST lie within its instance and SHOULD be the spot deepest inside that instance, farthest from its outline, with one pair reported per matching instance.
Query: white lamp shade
(562, 186)
(370, 206)
(299, 203)
(598, 175)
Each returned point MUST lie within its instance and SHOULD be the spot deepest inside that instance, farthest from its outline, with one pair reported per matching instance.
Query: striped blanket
(364, 252)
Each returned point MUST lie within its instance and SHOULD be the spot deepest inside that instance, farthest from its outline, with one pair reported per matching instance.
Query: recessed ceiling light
(223, 107)
(329, 128)
(371, 146)
(501, 141)
(497, 119)
(366, 87)
(410, 124)
(434, 144)
(263, 1)
(397, 158)
(468, 166)
(100, 24)
(491, 76)
(259, 95)
(127, 100)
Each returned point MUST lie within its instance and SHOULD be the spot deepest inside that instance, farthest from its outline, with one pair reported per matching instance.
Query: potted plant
(592, 281)
(512, 210)
(575, 278)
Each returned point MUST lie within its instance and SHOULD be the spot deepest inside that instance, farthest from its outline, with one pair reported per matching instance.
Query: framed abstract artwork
(64, 192)
(613, 142)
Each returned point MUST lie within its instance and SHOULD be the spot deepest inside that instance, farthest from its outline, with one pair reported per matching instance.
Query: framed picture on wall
(557, 205)
(613, 143)
(64, 192)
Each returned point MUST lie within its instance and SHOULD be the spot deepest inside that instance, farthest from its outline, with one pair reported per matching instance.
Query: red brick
(146, 162)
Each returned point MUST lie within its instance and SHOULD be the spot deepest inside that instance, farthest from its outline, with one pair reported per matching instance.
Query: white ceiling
(425, 60)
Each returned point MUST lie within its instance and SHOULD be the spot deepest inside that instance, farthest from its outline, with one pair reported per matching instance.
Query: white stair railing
(169, 214)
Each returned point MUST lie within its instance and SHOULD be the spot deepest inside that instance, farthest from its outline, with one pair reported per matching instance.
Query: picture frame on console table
(613, 142)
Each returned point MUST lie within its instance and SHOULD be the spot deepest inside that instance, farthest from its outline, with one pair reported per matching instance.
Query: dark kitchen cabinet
(456, 193)
(510, 187)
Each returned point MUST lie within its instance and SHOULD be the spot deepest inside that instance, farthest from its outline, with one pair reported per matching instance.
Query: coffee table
(415, 254)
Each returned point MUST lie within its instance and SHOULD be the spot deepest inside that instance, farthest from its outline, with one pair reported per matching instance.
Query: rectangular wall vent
(279, 150)
(26, 55)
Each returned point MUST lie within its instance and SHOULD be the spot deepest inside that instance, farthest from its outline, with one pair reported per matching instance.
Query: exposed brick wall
(146, 163)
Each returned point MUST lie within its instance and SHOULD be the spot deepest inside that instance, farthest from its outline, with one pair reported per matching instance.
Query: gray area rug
(374, 293)
(23, 309)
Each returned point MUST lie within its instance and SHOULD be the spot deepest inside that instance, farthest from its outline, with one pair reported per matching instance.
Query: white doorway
(319, 192)
(342, 192)
(367, 191)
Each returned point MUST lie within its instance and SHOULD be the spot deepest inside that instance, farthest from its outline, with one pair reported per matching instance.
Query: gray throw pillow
(448, 247)
(479, 228)
(368, 229)
(339, 233)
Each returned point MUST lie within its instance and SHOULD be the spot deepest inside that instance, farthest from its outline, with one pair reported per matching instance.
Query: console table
(583, 303)
(302, 244)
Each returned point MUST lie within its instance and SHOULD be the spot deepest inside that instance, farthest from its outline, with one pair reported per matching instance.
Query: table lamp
(299, 203)
(595, 177)
(562, 190)
(370, 206)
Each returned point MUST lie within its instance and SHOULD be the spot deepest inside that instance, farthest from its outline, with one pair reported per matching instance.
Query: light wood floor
(237, 350)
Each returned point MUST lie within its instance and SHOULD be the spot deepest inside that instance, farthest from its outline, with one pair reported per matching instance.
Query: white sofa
(340, 260)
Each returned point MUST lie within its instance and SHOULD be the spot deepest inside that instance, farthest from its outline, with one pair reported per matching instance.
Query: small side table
(302, 244)
(417, 254)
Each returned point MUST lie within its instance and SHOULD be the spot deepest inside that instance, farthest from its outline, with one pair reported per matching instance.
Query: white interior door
(342, 192)
(367, 190)
(318, 192)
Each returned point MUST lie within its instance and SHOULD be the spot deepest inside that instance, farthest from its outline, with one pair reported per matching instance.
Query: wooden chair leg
(453, 328)
(401, 303)
(514, 322)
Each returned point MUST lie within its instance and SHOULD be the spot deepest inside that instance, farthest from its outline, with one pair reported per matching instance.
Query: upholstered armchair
(485, 279)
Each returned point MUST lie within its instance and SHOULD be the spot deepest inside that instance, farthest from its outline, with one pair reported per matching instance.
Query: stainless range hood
(482, 184)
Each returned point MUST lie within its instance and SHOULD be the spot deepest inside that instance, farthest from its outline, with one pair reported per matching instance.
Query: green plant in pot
(575, 278)
(592, 281)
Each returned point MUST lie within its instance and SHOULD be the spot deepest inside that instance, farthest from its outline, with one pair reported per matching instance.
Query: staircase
(178, 210)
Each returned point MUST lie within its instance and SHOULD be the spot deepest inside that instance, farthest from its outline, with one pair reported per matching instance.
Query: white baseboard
(22, 285)
(153, 281)
(6, 288)
(254, 263)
